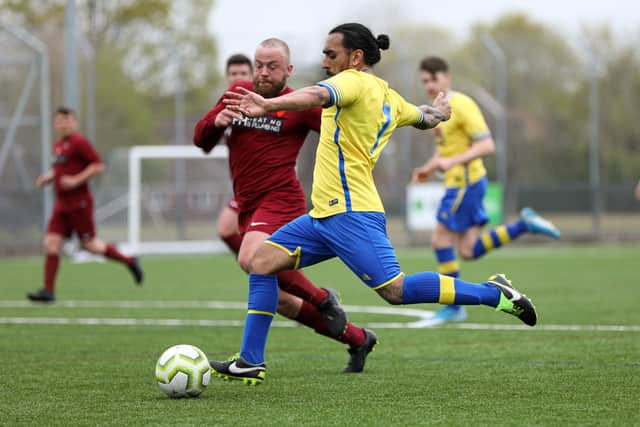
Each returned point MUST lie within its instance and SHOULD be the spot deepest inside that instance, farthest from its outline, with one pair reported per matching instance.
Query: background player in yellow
(461, 143)
(347, 221)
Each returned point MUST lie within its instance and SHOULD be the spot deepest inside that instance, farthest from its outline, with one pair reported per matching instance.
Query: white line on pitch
(424, 316)
(563, 328)
(421, 315)
(400, 311)
(240, 323)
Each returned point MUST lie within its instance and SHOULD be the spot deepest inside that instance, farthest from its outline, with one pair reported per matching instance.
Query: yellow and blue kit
(356, 125)
(347, 219)
(465, 184)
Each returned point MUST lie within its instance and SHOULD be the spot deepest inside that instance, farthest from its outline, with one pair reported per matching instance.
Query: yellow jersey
(457, 134)
(356, 125)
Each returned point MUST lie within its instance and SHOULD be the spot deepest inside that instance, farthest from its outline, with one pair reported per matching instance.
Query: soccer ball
(183, 371)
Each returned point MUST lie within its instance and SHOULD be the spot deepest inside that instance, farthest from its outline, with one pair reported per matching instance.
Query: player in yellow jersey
(461, 143)
(347, 219)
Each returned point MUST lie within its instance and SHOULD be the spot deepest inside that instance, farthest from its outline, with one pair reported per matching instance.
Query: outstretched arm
(252, 104)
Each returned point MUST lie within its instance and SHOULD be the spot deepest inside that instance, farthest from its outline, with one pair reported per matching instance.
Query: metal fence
(26, 136)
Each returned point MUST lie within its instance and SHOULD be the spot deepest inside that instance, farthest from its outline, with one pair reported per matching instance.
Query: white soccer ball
(183, 371)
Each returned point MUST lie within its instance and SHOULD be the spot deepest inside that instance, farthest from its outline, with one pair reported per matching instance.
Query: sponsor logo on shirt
(333, 202)
(267, 124)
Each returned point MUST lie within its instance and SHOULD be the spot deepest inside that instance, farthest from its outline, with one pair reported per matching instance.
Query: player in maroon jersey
(238, 68)
(75, 163)
(262, 158)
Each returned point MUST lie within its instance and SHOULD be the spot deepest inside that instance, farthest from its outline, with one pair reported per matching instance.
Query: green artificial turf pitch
(562, 373)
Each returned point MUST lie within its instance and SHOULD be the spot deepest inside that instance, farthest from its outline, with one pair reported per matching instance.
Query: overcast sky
(239, 25)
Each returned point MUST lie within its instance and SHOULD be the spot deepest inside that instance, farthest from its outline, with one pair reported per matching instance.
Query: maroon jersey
(72, 155)
(262, 150)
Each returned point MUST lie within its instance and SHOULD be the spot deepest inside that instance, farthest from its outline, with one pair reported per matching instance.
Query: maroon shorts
(76, 217)
(273, 211)
(233, 205)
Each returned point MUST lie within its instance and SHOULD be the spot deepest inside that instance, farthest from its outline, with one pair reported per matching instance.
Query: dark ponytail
(383, 41)
(357, 36)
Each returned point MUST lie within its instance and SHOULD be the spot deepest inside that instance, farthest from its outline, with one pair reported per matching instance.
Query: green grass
(88, 375)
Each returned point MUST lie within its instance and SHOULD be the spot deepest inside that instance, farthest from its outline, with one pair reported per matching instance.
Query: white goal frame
(136, 155)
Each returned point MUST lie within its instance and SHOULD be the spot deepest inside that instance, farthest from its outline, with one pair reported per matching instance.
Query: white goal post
(134, 245)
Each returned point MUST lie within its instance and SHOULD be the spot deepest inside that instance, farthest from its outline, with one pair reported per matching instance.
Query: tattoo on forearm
(433, 111)
(432, 117)
(432, 120)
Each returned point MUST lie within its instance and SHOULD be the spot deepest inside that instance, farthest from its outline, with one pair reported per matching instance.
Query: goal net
(163, 199)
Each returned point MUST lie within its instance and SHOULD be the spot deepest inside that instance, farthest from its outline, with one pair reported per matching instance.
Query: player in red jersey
(238, 68)
(262, 158)
(75, 163)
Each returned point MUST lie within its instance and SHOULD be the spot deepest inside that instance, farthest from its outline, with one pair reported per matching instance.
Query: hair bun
(383, 41)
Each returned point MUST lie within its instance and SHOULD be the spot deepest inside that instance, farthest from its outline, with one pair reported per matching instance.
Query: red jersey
(262, 150)
(72, 154)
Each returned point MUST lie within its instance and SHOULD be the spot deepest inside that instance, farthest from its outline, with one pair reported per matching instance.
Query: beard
(271, 90)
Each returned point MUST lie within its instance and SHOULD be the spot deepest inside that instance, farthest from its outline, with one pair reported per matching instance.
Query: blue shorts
(462, 208)
(359, 239)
